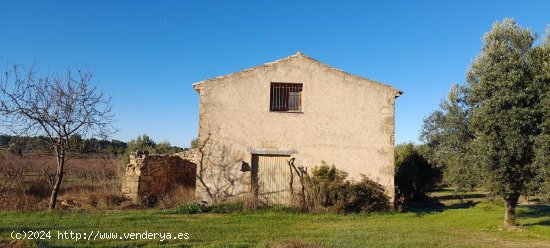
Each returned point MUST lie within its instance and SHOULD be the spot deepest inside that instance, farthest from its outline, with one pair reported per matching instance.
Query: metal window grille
(286, 97)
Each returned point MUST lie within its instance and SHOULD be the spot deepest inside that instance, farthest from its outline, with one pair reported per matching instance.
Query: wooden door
(271, 178)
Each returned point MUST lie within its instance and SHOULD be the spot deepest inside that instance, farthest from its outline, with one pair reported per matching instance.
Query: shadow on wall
(219, 174)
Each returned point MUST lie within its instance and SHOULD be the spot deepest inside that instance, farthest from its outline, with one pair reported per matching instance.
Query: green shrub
(218, 208)
(334, 192)
(192, 208)
(328, 182)
(363, 196)
(280, 208)
(414, 175)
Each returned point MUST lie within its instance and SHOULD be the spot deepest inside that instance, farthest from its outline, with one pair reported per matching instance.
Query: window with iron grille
(286, 97)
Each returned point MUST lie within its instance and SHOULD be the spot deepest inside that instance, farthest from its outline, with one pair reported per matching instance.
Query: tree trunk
(510, 203)
(59, 177)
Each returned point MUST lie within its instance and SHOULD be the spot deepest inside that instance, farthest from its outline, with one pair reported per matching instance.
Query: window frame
(290, 86)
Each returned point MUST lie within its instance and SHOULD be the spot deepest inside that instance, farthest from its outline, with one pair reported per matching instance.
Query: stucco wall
(346, 120)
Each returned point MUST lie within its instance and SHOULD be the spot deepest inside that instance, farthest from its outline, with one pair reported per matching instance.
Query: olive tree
(448, 136)
(502, 129)
(541, 76)
(55, 106)
(505, 121)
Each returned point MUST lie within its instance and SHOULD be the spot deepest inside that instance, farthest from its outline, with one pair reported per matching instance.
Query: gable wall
(346, 121)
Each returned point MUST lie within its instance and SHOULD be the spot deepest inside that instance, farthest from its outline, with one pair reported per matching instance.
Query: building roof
(298, 54)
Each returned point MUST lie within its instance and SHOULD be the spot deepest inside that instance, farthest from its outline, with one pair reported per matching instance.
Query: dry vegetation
(91, 182)
(26, 181)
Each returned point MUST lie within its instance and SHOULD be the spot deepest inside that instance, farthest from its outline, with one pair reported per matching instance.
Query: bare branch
(56, 106)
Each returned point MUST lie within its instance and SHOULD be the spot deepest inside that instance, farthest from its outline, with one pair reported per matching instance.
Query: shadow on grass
(540, 223)
(427, 207)
(524, 211)
(535, 211)
(463, 197)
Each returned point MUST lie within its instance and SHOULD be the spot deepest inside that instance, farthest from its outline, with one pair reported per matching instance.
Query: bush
(218, 208)
(328, 182)
(363, 196)
(414, 175)
(192, 208)
(332, 191)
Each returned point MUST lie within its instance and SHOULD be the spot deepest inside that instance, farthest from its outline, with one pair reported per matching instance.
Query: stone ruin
(149, 177)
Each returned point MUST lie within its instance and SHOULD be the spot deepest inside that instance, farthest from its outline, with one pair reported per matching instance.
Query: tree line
(24, 144)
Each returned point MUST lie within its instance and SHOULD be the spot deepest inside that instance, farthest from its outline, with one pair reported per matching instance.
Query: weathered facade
(298, 108)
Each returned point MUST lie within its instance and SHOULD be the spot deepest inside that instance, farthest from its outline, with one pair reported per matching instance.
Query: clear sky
(147, 54)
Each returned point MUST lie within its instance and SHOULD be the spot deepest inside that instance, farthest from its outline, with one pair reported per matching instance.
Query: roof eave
(398, 93)
(197, 86)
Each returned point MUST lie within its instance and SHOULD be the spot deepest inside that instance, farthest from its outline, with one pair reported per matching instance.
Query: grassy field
(466, 221)
(452, 226)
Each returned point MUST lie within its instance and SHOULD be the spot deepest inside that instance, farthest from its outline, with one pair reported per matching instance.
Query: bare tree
(305, 183)
(55, 106)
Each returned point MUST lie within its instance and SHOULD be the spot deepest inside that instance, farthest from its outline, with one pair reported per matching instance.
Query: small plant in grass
(192, 208)
(226, 207)
(279, 208)
(219, 208)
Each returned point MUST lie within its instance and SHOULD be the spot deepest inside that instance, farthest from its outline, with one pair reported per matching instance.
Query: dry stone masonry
(154, 175)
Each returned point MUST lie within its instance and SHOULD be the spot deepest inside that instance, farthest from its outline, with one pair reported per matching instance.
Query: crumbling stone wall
(149, 176)
(192, 155)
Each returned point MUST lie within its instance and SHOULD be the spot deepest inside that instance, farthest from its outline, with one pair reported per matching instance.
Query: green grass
(477, 226)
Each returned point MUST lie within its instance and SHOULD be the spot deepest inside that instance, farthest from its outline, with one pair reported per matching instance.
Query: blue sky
(147, 54)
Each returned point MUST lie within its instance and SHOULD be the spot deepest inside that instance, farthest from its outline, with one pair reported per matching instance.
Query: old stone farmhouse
(252, 122)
